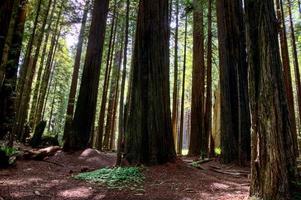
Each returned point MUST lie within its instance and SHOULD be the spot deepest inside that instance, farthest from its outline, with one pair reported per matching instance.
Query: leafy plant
(9, 151)
(120, 177)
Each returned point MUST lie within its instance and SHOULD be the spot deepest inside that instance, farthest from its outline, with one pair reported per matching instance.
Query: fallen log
(41, 154)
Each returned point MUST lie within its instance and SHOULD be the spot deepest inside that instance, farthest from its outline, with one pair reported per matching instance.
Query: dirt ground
(175, 181)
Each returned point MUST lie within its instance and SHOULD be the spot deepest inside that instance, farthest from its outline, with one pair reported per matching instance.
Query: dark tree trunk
(82, 124)
(6, 10)
(180, 137)
(121, 123)
(235, 114)
(273, 156)
(76, 66)
(149, 132)
(198, 142)
(175, 88)
(8, 91)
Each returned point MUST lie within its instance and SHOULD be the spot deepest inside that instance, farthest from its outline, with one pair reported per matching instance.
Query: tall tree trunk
(83, 121)
(287, 70)
(180, 137)
(198, 142)
(121, 124)
(101, 119)
(273, 156)
(47, 70)
(175, 87)
(208, 107)
(25, 73)
(149, 132)
(76, 66)
(112, 95)
(295, 56)
(35, 96)
(8, 94)
(235, 120)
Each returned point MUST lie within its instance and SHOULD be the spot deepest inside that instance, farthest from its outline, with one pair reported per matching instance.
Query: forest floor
(52, 179)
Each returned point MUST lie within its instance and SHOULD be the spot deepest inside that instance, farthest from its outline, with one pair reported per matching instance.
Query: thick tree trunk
(83, 122)
(180, 136)
(76, 66)
(198, 142)
(235, 114)
(8, 94)
(149, 132)
(273, 156)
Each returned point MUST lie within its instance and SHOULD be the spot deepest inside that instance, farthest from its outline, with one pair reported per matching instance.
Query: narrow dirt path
(177, 181)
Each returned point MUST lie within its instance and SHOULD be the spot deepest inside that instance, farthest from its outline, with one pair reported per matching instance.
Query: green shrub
(9, 151)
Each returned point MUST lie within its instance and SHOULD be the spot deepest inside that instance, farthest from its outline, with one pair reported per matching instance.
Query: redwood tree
(83, 121)
(198, 140)
(148, 132)
(235, 114)
(273, 158)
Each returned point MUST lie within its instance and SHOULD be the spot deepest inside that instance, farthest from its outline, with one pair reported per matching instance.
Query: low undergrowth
(119, 177)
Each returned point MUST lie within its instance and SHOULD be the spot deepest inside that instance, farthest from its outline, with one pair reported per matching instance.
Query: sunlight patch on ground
(18, 182)
(79, 192)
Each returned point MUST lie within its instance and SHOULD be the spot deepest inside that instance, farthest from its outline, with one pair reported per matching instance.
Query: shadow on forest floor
(52, 179)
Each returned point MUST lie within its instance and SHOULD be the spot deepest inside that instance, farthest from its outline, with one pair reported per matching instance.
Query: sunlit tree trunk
(208, 107)
(180, 136)
(287, 70)
(36, 90)
(175, 87)
(121, 123)
(76, 66)
(101, 118)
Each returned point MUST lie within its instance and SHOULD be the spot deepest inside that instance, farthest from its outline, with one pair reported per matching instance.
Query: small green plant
(9, 151)
(218, 151)
(119, 177)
